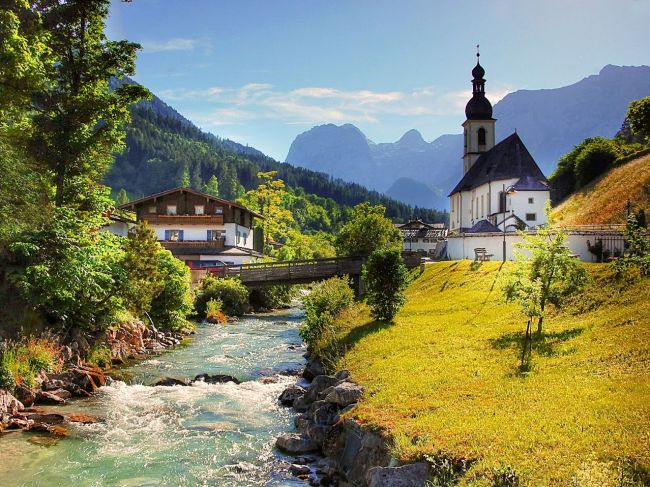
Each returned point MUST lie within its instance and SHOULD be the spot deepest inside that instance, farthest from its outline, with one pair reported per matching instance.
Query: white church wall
(462, 246)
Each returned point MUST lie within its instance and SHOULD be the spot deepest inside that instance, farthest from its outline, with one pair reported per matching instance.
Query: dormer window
(171, 209)
(481, 136)
(198, 209)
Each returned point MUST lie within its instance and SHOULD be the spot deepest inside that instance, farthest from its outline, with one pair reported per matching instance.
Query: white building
(502, 185)
(422, 237)
(198, 228)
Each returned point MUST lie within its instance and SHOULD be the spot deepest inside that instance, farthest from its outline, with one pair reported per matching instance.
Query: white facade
(235, 235)
(479, 137)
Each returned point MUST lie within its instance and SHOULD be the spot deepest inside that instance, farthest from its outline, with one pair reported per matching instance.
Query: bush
(595, 159)
(99, 355)
(22, 361)
(385, 277)
(231, 292)
(325, 302)
(273, 297)
(213, 311)
(169, 309)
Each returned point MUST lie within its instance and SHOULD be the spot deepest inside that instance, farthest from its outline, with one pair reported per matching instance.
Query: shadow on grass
(494, 283)
(544, 344)
(360, 332)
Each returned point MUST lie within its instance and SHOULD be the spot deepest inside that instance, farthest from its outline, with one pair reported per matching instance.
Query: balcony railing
(189, 245)
(184, 219)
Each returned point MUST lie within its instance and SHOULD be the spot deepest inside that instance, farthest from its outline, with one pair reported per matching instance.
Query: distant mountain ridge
(549, 121)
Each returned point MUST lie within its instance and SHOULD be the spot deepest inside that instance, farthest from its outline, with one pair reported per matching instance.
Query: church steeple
(479, 126)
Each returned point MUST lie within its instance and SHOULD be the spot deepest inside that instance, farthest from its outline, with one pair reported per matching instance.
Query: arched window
(481, 136)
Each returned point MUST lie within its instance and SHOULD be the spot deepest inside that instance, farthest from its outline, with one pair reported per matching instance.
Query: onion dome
(478, 107)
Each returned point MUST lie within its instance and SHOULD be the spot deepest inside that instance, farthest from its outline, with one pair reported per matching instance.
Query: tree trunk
(540, 324)
(525, 355)
(60, 180)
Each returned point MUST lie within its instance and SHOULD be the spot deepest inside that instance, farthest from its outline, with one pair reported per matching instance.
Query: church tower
(479, 126)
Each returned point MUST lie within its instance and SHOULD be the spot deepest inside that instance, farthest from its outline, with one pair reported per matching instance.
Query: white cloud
(315, 104)
(176, 44)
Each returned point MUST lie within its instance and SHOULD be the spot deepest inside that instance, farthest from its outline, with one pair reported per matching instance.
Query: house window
(174, 235)
(152, 209)
(198, 209)
(238, 237)
(218, 210)
(245, 235)
(531, 201)
(215, 234)
(426, 240)
(531, 217)
(171, 209)
(481, 136)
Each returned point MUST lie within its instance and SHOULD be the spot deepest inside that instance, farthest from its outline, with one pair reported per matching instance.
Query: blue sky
(262, 71)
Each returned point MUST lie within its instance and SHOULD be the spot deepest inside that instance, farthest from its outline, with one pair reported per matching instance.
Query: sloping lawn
(604, 200)
(444, 379)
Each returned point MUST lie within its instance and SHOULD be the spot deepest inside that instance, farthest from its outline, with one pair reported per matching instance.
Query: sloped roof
(530, 183)
(131, 204)
(508, 159)
(483, 226)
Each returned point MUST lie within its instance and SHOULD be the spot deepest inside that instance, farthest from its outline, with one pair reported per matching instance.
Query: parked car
(217, 267)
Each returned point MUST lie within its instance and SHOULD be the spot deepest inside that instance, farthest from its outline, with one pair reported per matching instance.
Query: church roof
(530, 183)
(508, 159)
(483, 226)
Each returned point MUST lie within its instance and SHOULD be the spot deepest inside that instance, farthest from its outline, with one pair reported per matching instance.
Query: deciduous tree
(366, 231)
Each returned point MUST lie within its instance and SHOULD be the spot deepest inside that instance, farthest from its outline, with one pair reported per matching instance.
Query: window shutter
(167, 234)
(180, 235)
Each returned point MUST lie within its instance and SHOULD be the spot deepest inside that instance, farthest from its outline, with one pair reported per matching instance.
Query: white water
(204, 434)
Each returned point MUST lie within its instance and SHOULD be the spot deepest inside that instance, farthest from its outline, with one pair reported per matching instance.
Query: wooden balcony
(184, 219)
(194, 246)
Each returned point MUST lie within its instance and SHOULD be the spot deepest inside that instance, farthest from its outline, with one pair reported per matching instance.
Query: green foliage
(366, 231)
(22, 361)
(231, 292)
(99, 355)
(185, 179)
(298, 246)
(171, 306)
(326, 300)
(69, 271)
(122, 197)
(595, 159)
(637, 251)
(212, 186)
(273, 297)
(385, 278)
(547, 274)
(638, 115)
(144, 280)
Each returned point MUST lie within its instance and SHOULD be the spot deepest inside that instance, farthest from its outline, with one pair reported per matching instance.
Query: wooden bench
(480, 254)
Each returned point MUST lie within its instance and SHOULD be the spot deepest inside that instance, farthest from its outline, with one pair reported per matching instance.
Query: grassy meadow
(443, 380)
(603, 201)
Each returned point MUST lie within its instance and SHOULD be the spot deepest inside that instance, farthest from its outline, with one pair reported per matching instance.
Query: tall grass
(22, 361)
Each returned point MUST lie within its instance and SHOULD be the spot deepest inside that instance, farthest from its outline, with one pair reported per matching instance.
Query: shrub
(637, 249)
(325, 302)
(385, 277)
(231, 292)
(595, 159)
(169, 309)
(22, 361)
(213, 311)
(273, 297)
(99, 355)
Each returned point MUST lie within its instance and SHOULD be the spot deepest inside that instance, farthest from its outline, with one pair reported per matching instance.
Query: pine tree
(212, 186)
(185, 179)
(122, 197)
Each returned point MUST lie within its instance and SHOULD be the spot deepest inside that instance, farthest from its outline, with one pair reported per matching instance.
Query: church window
(481, 136)
(531, 201)
(482, 205)
(502, 202)
(531, 217)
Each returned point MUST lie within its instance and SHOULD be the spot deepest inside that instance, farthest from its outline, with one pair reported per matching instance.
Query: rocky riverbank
(340, 451)
(128, 341)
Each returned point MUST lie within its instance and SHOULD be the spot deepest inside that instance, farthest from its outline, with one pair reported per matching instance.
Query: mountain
(162, 145)
(550, 122)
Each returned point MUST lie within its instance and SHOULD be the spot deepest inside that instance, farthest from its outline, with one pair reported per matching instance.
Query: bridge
(295, 271)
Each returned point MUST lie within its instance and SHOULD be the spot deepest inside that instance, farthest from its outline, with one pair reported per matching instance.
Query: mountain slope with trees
(163, 150)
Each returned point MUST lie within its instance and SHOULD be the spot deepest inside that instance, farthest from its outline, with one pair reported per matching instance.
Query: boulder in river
(9, 404)
(83, 418)
(170, 381)
(313, 369)
(25, 395)
(216, 379)
(295, 444)
(344, 394)
(47, 397)
(290, 394)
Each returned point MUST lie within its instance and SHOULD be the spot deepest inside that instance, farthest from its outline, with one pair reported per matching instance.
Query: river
(204, 434)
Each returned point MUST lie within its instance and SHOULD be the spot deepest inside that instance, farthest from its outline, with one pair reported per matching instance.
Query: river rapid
(203, 434)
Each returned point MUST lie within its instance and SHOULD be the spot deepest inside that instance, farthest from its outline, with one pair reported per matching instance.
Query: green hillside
(161, 146)
(443, 380)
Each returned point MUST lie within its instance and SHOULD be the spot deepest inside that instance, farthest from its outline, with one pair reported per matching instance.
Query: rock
(25, 395)
(344, 394)
(290, 394)
(412, 475)
(294, 443)
(51, 418)
(58, 430)
(318, 385)
(9, 404)
(170, 381)
(216, 379)
(46, 397)
(300, 404)
(301, 421)
(62, 393)
(83, 418)
(16, 423)
(313, 369)
(299, 469)
(342, 374)
(46, 440)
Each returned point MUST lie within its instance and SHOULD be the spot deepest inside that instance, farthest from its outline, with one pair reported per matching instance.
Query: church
(502, 188)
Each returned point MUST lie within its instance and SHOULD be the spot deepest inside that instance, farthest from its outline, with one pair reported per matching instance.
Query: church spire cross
(478, 53)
